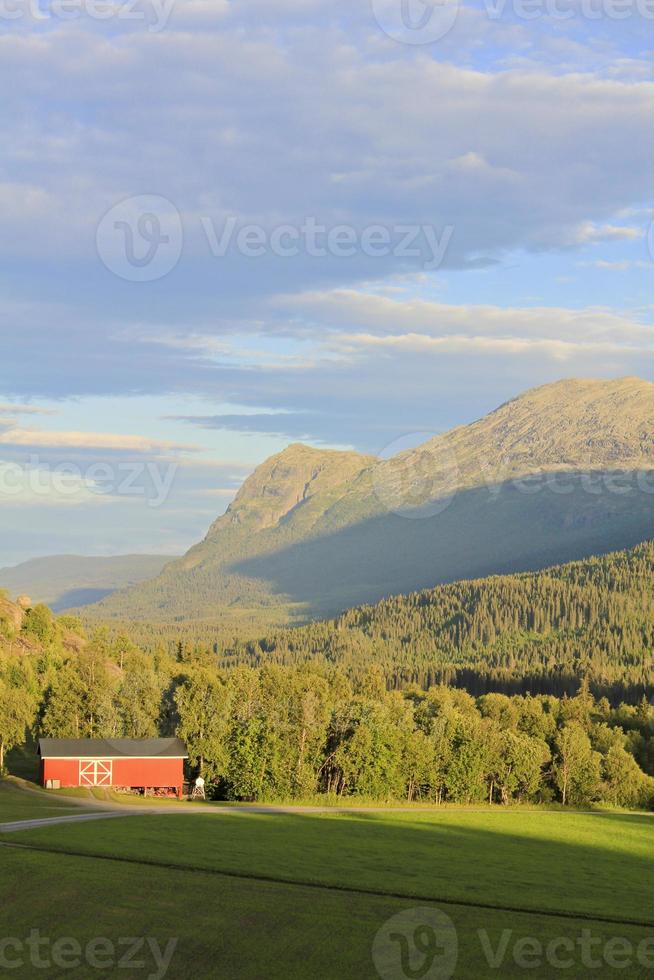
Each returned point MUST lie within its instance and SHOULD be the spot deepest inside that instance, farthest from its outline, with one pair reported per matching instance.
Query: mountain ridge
(67, 581)
(312, 531)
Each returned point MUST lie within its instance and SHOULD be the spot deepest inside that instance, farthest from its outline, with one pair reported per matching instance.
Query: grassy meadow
(18, 804)
(301, 895)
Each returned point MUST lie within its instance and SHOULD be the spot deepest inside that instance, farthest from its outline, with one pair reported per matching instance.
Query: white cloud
(11, 410)
(342, 308)
(558, 349)
(621, 265)
(91, 440)
(511, 159)
(529, 140)
(590, 233)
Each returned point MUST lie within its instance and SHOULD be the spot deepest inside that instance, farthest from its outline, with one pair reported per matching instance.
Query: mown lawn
(17, 804)
(250, 930)
(306, 895)
(587, 863)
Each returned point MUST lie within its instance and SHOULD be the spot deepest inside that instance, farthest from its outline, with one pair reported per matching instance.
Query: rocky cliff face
(576, 423)
(11, 614)
(286, 480)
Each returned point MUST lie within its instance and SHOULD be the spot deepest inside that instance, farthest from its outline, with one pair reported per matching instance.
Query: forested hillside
(533, 632)
(33, 644)
(558, 474)
(292, 732)
(367, 705)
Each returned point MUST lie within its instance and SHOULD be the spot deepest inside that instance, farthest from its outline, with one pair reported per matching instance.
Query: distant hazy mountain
(65, 581)
(560, 473)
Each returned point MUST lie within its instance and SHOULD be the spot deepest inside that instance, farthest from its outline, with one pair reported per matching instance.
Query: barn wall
(148, 772)
(65, 770)
(126, 772)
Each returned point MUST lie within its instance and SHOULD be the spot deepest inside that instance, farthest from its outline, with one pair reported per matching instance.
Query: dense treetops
(293, 732)
(367, 705)
(33, 645)
(535, 632)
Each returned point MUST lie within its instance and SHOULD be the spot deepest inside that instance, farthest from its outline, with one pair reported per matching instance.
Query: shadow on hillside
(491, 530)
(75, 598)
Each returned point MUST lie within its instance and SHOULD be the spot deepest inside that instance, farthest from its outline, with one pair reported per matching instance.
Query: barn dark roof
(112, 748)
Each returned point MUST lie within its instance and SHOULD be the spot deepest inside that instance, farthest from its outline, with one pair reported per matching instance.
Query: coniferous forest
(525, 688)
(542, 632)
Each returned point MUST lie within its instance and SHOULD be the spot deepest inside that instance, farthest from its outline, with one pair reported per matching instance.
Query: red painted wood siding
(126, 772)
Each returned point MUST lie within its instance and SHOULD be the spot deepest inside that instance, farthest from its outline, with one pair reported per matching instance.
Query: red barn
(143, 763)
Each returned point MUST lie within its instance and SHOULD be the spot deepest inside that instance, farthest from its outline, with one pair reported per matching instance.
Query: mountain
(65, 581)
(559, 473)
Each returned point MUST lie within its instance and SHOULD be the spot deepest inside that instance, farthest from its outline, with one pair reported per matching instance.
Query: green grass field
(292, 896)
(17, 804)
(588, 863)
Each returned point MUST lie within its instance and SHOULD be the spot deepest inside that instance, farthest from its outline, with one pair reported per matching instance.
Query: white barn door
(96, 772)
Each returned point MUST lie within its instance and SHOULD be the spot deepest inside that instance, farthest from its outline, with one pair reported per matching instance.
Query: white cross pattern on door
(95, 773)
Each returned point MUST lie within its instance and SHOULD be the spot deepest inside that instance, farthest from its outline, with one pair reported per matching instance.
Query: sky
(229, 225)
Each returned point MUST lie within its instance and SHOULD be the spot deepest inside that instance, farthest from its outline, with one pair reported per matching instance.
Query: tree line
(293, 731)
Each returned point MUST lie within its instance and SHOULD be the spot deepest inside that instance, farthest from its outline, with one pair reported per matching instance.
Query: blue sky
(138, 388)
